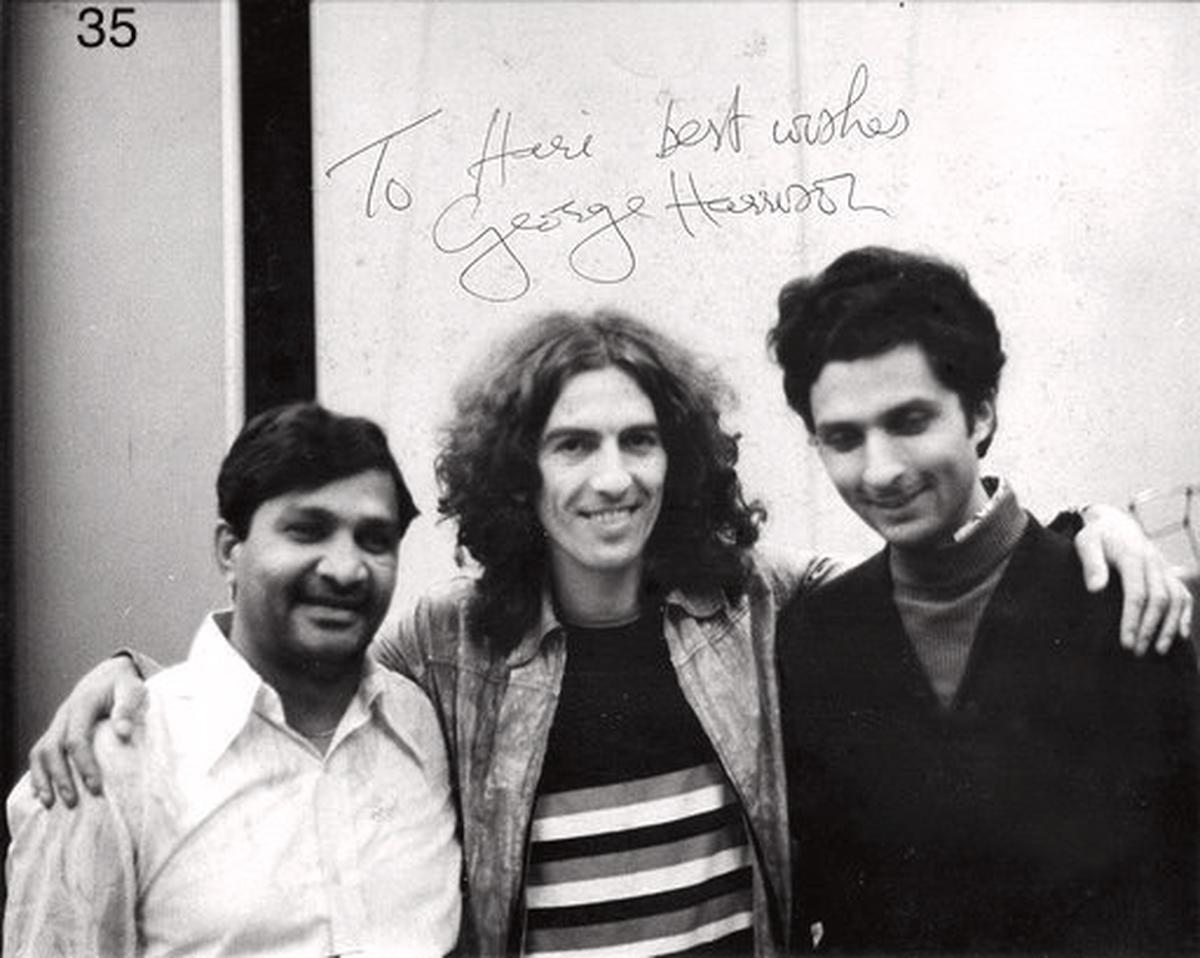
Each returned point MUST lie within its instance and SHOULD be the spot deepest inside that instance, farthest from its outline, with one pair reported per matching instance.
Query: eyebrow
(294, 512)
(912, 405)
(559, 431)
(916, 404)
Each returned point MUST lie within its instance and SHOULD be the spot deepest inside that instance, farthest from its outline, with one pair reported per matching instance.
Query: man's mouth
(333, 611)
(610, 516)
(895, 502)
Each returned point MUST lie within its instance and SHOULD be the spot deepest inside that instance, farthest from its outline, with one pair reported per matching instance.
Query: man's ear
(225, 546)
(983, 425)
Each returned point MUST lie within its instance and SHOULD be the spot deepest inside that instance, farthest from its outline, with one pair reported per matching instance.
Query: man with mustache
(973, 766)
(284, 795)
(605, 679)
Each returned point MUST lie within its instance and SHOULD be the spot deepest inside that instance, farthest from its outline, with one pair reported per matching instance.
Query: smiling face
(602, 466)
(313, 576)
(898, 445)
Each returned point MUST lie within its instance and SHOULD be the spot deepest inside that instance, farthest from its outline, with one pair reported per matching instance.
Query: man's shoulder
(432, 626)
(786, 573)
(450, 596)
(402, 694)
(868, 579)
(1046, 569)
(439, 616)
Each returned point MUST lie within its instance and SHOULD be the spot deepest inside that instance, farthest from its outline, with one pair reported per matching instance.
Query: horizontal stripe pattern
(654, 865)
(719, 931)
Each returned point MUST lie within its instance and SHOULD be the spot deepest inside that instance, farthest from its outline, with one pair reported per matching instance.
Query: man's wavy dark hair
(873, 299)
(489, 477)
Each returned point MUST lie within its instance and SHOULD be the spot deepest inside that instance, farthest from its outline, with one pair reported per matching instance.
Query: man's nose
(612, 476)
(882, 462)
(343, 562)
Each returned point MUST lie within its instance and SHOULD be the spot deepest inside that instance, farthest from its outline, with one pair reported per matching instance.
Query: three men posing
(607, 684)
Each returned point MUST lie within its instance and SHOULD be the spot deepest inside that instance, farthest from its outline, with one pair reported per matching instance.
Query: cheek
(841, 469)
(658, 481)
(654, 473)
(383, 574)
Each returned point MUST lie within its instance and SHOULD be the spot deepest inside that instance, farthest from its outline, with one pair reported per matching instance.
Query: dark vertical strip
(8, 592)
(276, 97)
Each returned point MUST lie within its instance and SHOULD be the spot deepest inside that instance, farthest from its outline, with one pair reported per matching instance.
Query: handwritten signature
(494, 234)
(821, 194)
(497, 274)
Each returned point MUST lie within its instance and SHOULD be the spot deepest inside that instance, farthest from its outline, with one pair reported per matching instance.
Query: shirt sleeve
(72, 889)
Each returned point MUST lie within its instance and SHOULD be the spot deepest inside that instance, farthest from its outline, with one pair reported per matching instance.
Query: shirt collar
(372, 700)
(224, 690)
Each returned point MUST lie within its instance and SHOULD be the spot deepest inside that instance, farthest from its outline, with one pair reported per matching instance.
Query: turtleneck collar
(983, 542)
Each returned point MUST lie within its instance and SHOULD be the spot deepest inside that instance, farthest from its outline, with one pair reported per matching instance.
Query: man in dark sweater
(974, 766)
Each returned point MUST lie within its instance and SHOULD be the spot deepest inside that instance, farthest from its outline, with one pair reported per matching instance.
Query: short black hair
(873, 299)
(301, 446)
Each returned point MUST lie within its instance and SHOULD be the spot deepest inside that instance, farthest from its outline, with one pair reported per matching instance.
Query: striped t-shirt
(638, 845)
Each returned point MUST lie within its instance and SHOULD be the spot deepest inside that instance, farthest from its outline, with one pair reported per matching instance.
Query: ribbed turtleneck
(942, 593)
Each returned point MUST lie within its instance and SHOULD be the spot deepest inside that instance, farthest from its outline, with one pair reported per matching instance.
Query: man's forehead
(372, 490)
(873, 385)
(601, 397)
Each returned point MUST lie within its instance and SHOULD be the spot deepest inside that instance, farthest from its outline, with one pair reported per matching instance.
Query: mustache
(352, 599)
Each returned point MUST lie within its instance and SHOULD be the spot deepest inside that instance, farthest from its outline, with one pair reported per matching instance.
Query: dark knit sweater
(941, 593)
(1051, 808)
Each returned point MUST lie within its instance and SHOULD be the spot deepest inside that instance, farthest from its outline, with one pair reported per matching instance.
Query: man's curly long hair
(489, 478)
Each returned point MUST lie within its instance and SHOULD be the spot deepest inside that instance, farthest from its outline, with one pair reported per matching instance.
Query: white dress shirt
(222, 831)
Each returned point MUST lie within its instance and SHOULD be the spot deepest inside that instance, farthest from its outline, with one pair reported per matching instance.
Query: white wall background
(120, 374)
(1052, 149)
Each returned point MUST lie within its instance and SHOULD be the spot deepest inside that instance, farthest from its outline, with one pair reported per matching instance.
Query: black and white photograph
(591, 478)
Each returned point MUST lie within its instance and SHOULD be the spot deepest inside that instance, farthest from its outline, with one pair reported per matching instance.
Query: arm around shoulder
(790, 573)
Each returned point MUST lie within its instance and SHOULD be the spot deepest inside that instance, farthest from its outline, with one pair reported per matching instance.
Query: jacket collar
(532, 641)
(701, 604)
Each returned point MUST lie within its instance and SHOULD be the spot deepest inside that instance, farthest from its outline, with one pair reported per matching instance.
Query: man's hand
(1158, 606)
(113, 688)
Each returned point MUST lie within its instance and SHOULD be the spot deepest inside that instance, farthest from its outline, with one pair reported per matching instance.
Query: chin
(342, 648)
(920, 538)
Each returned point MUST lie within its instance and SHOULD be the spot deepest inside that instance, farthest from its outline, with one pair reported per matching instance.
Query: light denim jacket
(496, 712)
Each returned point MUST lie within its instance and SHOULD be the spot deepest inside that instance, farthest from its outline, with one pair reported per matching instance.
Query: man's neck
(314, 695)
(314, 705)
(986, 538)
(598, 599)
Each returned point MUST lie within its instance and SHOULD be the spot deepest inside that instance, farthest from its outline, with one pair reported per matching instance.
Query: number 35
(121, 31)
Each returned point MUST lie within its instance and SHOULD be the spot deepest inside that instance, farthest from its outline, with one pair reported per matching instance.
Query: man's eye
(305, 531)
(839, 441)
(570, 445)
(911, 424)
(643, 440)
(377, 541)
